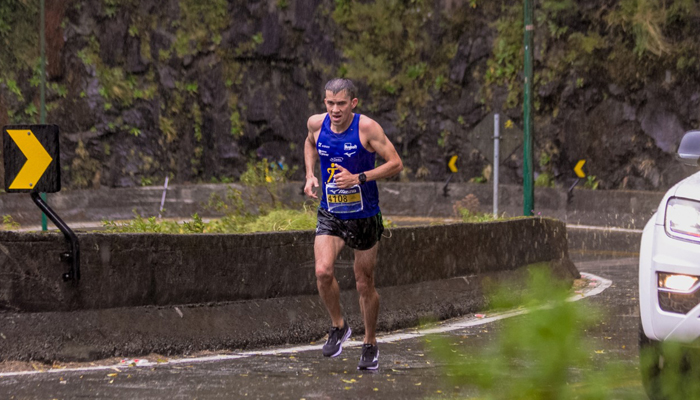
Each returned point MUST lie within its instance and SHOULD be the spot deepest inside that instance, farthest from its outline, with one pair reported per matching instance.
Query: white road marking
(447, 326)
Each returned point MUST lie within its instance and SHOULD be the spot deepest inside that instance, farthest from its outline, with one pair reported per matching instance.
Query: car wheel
(651, 361)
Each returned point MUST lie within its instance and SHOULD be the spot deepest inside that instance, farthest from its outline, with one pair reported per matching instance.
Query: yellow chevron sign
(452, 165)
(31, 156)
(37, 159)
(578, 169)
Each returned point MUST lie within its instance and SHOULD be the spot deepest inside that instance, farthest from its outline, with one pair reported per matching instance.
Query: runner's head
(340, 100)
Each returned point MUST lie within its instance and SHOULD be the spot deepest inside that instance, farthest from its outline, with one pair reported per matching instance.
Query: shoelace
(334, 334)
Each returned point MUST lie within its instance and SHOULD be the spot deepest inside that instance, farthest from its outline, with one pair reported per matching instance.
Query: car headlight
(677, 283)
(683, 219)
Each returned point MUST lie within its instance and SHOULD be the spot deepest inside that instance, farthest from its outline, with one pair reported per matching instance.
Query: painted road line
(447, 326)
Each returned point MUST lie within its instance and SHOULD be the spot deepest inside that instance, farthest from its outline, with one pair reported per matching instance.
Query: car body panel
(660, 252)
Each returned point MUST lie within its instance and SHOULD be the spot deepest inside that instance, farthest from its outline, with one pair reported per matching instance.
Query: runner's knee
(324, 274)
(364, 285)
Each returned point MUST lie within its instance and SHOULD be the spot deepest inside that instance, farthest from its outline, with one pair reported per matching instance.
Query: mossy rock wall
(194, 90)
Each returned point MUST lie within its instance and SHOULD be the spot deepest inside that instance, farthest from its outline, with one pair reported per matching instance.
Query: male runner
(346, 144)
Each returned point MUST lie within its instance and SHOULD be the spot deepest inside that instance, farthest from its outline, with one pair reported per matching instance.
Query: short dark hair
(337, 85)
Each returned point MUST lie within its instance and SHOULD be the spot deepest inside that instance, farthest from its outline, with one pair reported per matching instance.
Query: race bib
(342, 201)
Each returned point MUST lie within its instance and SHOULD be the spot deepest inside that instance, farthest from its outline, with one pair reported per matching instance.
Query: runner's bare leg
(365, 261)
(326, 250)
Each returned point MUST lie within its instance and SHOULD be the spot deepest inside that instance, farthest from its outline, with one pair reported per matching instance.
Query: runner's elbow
(399, 167)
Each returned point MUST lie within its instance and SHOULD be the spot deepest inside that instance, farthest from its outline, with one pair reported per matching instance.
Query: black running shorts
(359, 234)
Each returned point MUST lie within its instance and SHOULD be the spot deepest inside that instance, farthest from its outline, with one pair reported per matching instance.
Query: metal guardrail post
(73, 257)
(496, 161)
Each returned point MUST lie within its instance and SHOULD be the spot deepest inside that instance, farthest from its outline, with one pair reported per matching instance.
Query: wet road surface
(408, 367)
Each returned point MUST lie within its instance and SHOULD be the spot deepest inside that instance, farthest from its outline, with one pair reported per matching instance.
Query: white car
(669, 272)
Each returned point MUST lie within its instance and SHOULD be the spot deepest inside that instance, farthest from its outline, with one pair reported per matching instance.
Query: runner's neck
(344, 128)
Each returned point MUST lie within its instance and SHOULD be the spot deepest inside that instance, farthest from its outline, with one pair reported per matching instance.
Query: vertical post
(42, 106)
(162, 200)
(496, 161)
(528, 184)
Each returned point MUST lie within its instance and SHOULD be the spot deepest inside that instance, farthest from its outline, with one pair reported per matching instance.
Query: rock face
(195, 91)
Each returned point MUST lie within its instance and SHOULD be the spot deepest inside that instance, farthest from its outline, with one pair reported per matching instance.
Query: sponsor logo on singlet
(341, 191)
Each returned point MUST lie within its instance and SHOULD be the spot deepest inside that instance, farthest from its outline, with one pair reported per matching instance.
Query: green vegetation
(628, 44)
(388, 45)
(542, 355)
(200, 25)
(18, 38)
(471, 216)
(506, 62)
(676, 379)
(267, 176)
(84, 170)
(403, 50)
(276, 220)
(259, 209)
(8, 223)
(591, 182)
(468, 209)
(545, 179)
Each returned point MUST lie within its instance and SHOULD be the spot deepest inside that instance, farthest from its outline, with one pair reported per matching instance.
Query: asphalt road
(409, 368)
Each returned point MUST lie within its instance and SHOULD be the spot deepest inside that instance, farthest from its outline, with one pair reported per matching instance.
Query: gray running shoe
(336, 337)
(370, 357)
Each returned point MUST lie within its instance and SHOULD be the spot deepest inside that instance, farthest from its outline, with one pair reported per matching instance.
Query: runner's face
(339, 107)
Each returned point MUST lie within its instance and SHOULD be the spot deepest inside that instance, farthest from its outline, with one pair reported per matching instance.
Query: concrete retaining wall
(177, 293)
(604, 242)
(127, 270)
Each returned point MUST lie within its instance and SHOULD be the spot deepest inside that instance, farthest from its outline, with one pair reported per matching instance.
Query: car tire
(651, 369)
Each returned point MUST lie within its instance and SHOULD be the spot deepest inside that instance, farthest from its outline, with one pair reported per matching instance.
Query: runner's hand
(344, 179)
(311, 184)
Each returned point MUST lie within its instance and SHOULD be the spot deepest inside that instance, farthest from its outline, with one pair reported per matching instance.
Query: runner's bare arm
(381, 144)
(311, 155)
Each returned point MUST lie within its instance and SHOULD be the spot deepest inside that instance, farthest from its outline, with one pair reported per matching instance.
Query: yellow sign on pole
(578, 169)
(31, 156)
(452, 165)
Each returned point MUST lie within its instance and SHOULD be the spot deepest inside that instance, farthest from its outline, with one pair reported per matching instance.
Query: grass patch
(8, 223)
(273, 221)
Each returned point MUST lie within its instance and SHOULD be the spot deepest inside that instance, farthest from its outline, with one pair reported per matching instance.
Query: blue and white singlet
(346, 149)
